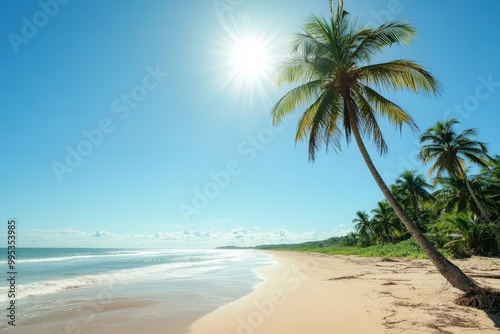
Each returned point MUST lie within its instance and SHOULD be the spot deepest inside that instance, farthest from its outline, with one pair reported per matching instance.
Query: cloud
(241, 236)
(240, 233)
(71, 231)
(101, 234)
(283, 234)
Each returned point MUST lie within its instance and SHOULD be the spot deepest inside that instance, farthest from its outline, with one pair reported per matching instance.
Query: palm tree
(338, 85)
(475, 238)
(350, 240)
(490, 178)
(362, 226)
(454, 195)
(385, 217)
(450, 152)
(415, 187)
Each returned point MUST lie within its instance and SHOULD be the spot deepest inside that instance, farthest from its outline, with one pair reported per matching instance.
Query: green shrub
(407, 249)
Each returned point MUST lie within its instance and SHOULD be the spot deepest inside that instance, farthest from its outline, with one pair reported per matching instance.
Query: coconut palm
(490, 178)
(415, 187)
(339, 87)
(349, 240)
(428, 214)
(454, 195)
(385, 217)
(470, 235)
(451, 151)
(362, 226)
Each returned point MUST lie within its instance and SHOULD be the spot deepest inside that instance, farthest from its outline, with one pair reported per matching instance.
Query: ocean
(70, 291)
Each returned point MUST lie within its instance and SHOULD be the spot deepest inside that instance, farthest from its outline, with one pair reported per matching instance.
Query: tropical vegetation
(446, 214)
(338, 88)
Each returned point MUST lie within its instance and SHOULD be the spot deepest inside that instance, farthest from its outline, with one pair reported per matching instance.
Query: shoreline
(320, 294)
(167, 299)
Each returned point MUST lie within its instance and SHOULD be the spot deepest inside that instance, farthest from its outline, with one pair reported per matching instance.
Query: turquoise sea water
(52, 282)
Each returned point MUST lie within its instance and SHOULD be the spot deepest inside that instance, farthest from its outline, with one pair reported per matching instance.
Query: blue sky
(141, 90)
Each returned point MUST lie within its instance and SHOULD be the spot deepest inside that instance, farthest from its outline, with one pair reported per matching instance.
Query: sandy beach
(314, 293)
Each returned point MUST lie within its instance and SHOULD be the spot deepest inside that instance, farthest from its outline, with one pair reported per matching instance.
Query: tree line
(458, 211)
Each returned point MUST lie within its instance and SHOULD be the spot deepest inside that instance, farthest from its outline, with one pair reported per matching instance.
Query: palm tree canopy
(450, 150)
(331, 61)
(362, 218)
(384, 213)
(363, 225)
(491, 179)
(362, 222)
(414, 185)
(453, 196)
(477, 237)
(386, 221)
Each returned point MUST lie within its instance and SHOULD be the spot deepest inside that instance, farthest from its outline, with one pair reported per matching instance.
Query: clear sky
(126, 123)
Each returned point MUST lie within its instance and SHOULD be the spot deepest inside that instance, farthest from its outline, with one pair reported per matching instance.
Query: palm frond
(372, 41)
(300, 70)
(321, 123)
(369, 125)
(399, 74)
(298, 97)
(394, 113)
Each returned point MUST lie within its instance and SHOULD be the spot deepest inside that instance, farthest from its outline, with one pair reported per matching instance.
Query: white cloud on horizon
(101, 234)
(69, 237)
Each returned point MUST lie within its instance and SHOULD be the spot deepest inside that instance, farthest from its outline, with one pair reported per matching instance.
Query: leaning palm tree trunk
(452, 273)
(415, 207)
(474, 197)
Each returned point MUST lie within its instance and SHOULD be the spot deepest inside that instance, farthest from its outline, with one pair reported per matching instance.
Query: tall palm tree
(450, 152)
(362, 226)
(385, 217)
(490, 178)
(416, 189)
(454, 195)
(338, 86)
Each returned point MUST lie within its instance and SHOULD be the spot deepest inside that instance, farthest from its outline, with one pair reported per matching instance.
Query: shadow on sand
(495, 317)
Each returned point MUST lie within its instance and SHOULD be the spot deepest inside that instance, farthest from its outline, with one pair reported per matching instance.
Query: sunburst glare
(247, 62)
(250, 58)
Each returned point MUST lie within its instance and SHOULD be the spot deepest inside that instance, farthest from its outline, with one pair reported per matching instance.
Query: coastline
(130, 292)
(315, 293)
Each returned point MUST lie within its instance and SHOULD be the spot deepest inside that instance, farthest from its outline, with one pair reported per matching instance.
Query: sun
(250, 58)
(250, 66)
(246, 61)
